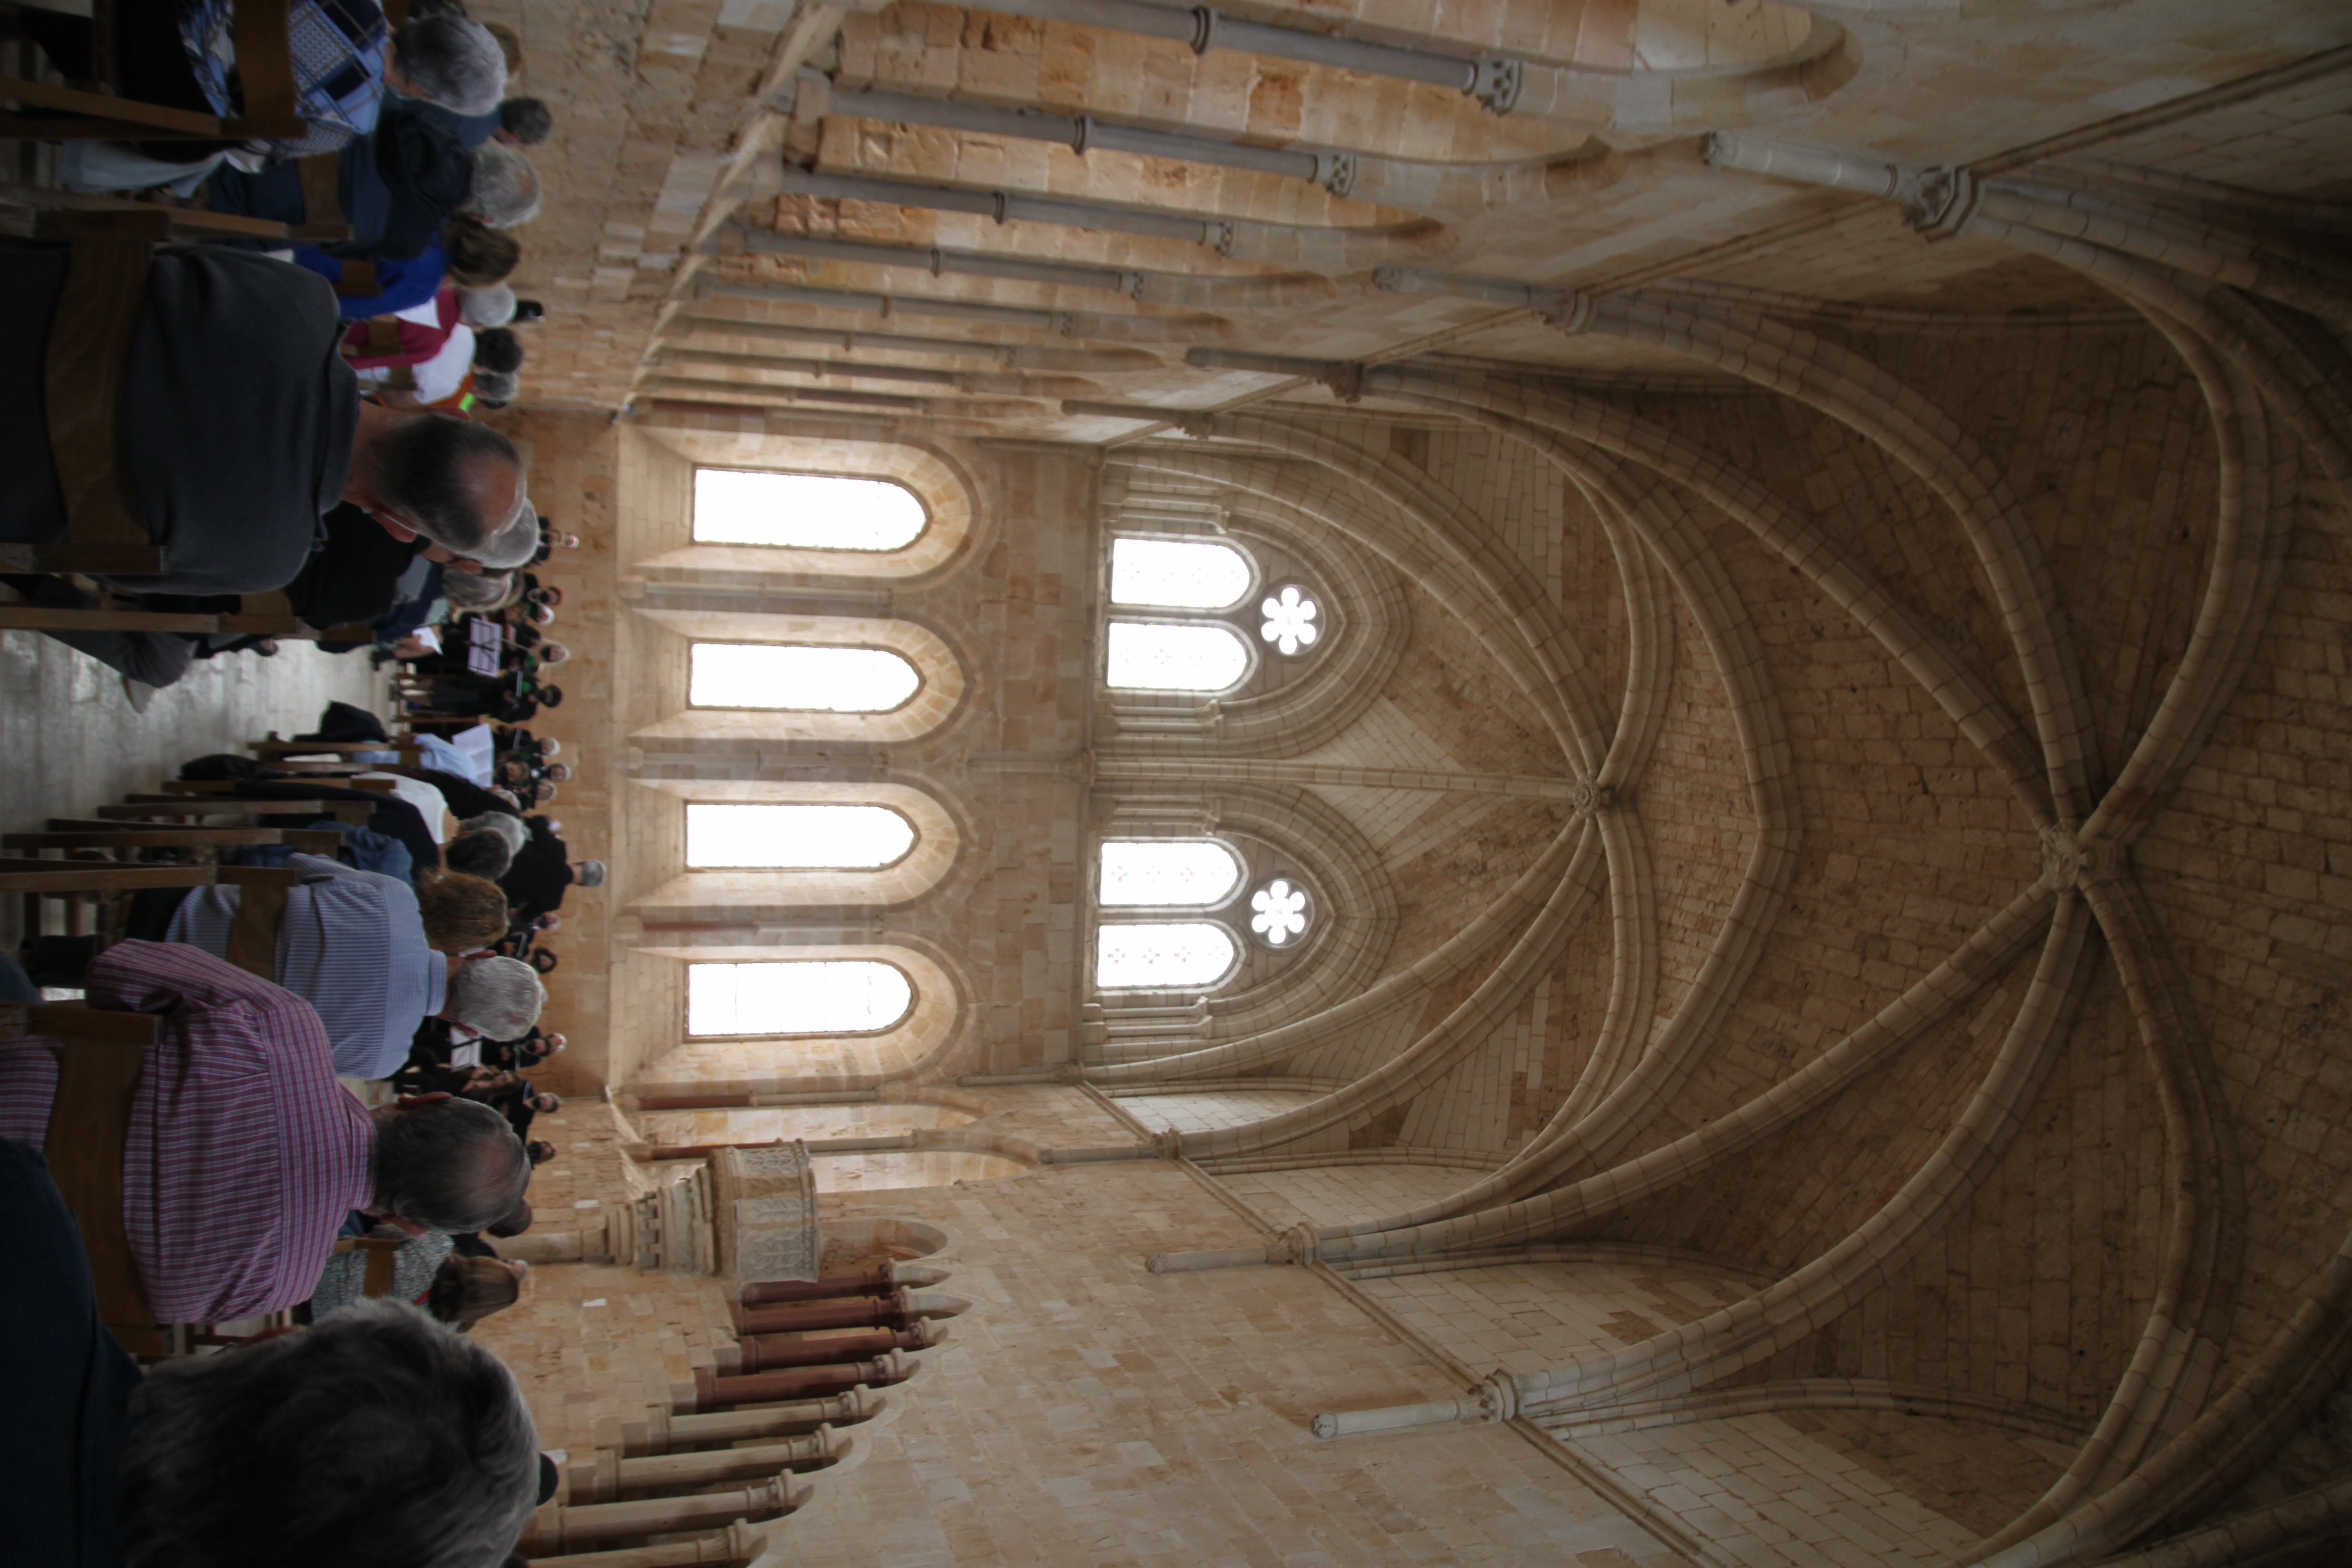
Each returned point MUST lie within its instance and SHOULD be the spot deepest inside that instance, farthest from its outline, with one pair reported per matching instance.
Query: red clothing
(244, 1155)
(413, 343)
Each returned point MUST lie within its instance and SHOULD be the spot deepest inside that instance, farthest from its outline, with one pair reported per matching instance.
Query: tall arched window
(1164, 956)
(809, 511)
(802, 676)
(1166, 873)
(1162, 656)
(1178, 574)
(795, 837)
(851, 996)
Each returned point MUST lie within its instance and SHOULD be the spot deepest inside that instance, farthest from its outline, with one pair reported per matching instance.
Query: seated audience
(461, 913)
(402, 340)
(542, 871)
(467, 1289)
(181, 54)
(468, 254)
(352, 944)
(353, 578)
(396, 187)
(516, 121)
(488, 306)
(464, 797)
(246, 1155)
(504, 191)
(522, 1108)
(343, 1283)
(484, 855)
(435, 377)
(456, 1289)
(431, 804)
(245, 1459)
(236, 498)
(525, 122)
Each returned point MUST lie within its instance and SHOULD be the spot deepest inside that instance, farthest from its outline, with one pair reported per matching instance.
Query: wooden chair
(264, 69)
(89, 354)
(147, 808)
(95, 833)
(90, 333)
(265, 66)
(89, 1123)
(225, 786)
(283, 753)
(375, 1274)
(269, 615)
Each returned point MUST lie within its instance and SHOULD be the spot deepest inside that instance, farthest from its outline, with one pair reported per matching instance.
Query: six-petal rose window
(1289, 623)
(1279, 912)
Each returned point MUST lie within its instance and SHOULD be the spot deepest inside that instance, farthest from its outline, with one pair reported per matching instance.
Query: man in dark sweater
(397, 186)
(246, 427)
(542, 871)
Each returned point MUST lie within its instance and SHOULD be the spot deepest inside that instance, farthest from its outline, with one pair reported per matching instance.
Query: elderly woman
(412, 1268)
(459, 1291)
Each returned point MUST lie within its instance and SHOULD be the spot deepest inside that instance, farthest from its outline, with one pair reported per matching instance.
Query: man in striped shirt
(244, 1155)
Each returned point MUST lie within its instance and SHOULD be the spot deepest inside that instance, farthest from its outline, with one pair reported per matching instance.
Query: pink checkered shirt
(244, 1155)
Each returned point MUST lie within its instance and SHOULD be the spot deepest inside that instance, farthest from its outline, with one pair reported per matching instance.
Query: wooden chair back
(89, 1125)
(267, 614)
(225, 786)
(375, 1274)
(95, 833)
(265, 61)
(260, 911)
(147, 808)
(87, 368)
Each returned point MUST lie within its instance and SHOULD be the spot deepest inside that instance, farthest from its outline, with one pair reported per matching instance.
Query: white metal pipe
(1081, 133)
(938, 261)
(1201, 29)
(1007, 206)
(1806, 166)
(1396, 1417)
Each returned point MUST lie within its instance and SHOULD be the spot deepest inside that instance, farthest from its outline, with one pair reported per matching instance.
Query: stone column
(891, 1311)
(662, 1432)
(768, 1292)
(714, 1392)
(558, 1526)
(610, 1475)
(766, 1352)
(734, 1545)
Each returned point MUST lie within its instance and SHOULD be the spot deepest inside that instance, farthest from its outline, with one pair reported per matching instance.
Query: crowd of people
(299, 418)
(496, 662)
(366, 492)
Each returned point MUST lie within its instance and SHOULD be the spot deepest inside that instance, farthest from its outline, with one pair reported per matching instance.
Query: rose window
(1278, 911)
(1289, 623)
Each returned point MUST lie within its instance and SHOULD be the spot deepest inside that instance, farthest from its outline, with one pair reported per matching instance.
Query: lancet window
(796, 836)
(807, 511)
(807, 676)
(837, 997)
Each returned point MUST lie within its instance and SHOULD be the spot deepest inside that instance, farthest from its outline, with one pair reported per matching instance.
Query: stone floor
(70, 740)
